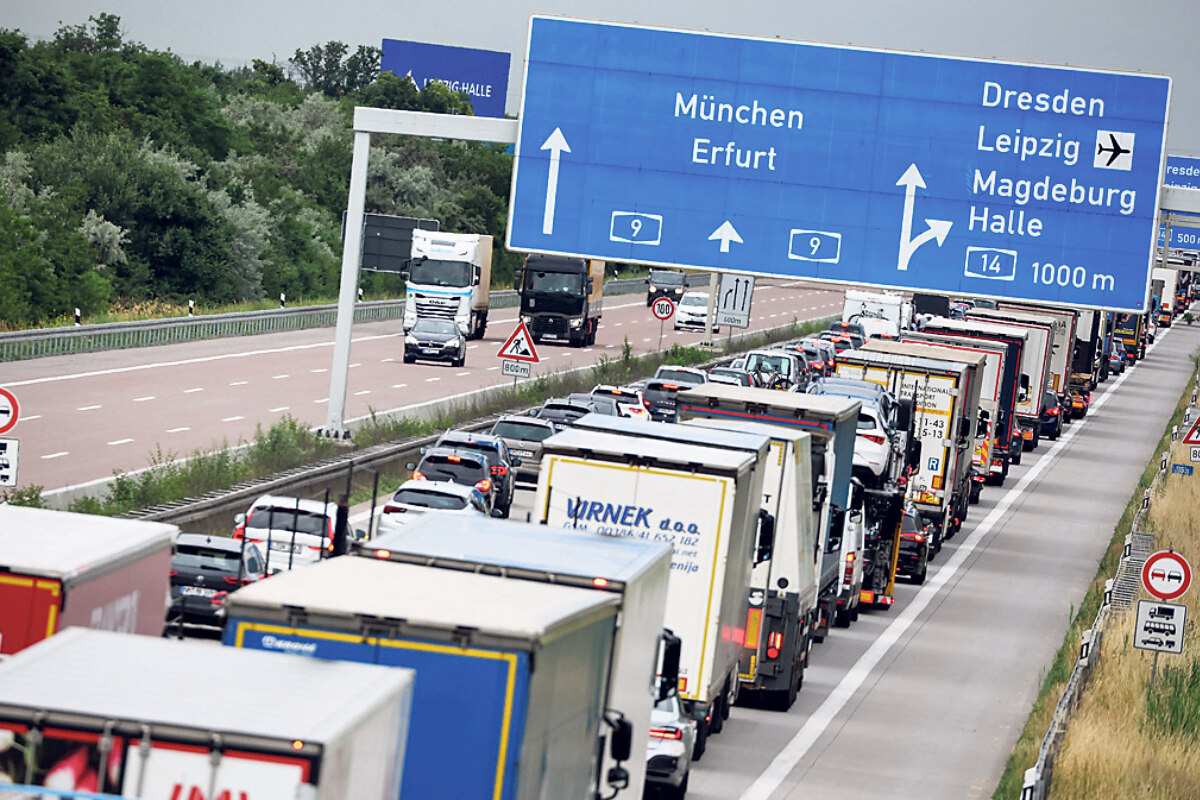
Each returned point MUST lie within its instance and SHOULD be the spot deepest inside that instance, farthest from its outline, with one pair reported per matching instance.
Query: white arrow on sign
(725, 234)
(938, 228)
(556, 143)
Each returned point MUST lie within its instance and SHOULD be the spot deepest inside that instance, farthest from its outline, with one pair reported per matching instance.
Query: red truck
(59, 569)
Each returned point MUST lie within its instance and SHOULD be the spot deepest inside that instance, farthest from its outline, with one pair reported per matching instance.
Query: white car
(692, 311)
(292, 532)
(669, 754)
(872, 446)
(415, 497)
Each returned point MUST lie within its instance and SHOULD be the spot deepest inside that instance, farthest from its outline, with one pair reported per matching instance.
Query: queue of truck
(670, 571)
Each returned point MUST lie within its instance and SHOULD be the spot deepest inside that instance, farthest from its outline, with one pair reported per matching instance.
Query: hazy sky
(1159, 37)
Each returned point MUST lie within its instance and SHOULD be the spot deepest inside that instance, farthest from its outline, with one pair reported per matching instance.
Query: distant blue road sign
(482, 74)
(1181, 238)
(831, 163)
(1182, 469)
(1182, 171)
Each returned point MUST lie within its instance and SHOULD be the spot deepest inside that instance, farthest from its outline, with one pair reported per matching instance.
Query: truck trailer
(158, 719)
(1037, 364)
(831, 423)
(449, 277)
(561, 298)
(1062, 353)
(59, 569)
(633, 570)
(492, 715)
(703, 501)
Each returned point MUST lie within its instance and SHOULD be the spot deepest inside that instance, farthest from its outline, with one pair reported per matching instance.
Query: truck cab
(449, 277)
(561, 298)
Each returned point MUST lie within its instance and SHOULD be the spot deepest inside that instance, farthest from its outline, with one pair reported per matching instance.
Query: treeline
(128, 175)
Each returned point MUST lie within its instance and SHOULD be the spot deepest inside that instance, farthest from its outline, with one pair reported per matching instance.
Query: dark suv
(458, 466)
(665, 283)
(205, 566)
(502, 464)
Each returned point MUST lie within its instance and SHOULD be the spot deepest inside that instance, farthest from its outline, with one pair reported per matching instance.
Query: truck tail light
(484, 485)
(674, 734)
(774, 644)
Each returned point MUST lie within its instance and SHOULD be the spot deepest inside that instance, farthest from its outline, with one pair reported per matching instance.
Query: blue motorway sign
(482, 74)
(1181, 469)
(1182, 171)
(777, 158)
(1181, 238)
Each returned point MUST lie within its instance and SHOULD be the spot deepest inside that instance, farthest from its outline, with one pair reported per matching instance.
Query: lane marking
(88, 408)
(364, 391)
(31, 416)
(231, 419)
(239, 383)
(143, 399)
(492, 369)
(387, 360)
(279, 377)
(460, 374)
(359, 364)
(431, 380)
(178, 430)
(277, 410)
(59, 454)
(782, 765)
(322, 400)
(191, 391)
(399, 385)
(315, 371)
(120, 441)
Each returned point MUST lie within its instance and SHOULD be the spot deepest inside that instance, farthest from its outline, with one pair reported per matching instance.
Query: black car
(659, 396)
(665, 283)
(1052, 414)
(501, 463)
(435, 340)
(564, 411)
(913, 560)
(461, 467)
(203, 567)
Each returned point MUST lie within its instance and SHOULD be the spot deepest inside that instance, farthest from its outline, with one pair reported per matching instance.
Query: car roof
(289, 503)
(444, 487)
(468, 436)
(207, 540)
(444, 452)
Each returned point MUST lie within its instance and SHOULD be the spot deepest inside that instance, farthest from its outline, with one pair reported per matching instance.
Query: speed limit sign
(663, 308)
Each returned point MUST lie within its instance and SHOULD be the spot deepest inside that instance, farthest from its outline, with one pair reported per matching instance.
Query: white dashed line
(314, 371)
(280, 377)
(192, 391)
(143, 399)
(178, 430)
(492, 369)
(57, 455)
(399, 385)
(431, 380)
(120, 441)
(364, 391)
(359, 364)
(472, 346)
(322, 400)
(232, 419)
(33, 416)
(277, 410)
(239, 383)
(460, 374)
(87, 408)
(387, 360)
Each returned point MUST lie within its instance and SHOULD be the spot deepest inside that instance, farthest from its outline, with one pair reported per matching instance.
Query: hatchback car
(415, 497)
(435, 340)
(669, 752)
(1052, 414)
(501, 463)
(693, 376)
(204, 566)
(630, 402)
(524, 436)
(691, 312)
(665, 283)
(291, 531)
(659, 395)
(463, 467)
(562, 410)
(913, 559)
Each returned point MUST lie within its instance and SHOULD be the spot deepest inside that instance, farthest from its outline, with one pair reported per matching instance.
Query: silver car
(417, 497)
(669, 752)
(524, 436)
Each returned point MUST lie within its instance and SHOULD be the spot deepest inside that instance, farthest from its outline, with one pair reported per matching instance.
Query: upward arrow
(938, 228)
(556, 143)
(725, 234)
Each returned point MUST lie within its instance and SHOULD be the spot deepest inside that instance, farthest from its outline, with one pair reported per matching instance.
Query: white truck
(491, 715)
(783, 611)
(704, 502)
(157, 719)
(1035, 365)
(1062, 353)
(449, 277)
(946, 407)
(1166, 298)
(882, 314)
(635, 571)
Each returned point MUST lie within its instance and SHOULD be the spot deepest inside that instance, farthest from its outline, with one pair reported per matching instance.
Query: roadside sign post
(905, 170)
(733, 300)
(1160, 626)
(517, 354)
(663, 308)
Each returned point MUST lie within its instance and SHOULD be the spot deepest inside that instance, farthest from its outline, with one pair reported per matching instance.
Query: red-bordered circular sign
(10, 410)
(1166, 575)
(663, 308)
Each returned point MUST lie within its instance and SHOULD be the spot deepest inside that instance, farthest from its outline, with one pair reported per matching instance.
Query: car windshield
(679, 376)
(909, 525)
(700, 300)
(198, 557)
(562, 412)
(522, 431)
(288, 519)
(436, 326)
(758, 362)
(453, 468)
(553, 282)
(666, 278)
(435, 272)
(430, 499)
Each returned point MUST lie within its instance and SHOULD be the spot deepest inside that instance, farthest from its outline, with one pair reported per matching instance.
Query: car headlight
(411, 340)
(453, 344)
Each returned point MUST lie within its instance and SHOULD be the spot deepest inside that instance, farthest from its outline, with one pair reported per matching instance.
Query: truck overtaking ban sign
(10, 410)
(663, 308)
(1166, 575)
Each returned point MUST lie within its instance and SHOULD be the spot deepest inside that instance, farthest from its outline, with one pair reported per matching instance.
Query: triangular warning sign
(1193, 436)
(519, 346)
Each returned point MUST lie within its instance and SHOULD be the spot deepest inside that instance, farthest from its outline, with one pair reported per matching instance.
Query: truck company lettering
(120, 615)
(594, 511)
(708, 109)
(288, 646)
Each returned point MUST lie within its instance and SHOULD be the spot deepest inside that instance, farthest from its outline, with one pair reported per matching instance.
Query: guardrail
(40, 342)
(1120, 592)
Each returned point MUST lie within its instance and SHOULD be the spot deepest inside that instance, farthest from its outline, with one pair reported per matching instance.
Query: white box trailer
(1062, 352)
(781, 621)
(882, 314)
(634, 570)
(784, 607)
(160, 719)
(511, 675)
(1035, 363)
(704, 502)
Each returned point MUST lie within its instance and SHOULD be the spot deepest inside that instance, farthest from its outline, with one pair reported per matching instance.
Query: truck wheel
(719, 713)
(591, 340)
(842, 618)
(854, 610)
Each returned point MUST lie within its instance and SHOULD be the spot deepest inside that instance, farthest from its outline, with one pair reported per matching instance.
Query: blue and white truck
(832, 423)
(704, 502)
(634, 571)
(449, 277)
(492, 715)
(142, 716)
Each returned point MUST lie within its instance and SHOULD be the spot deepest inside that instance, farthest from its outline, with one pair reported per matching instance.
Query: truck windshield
(434, 272)
(553, 282)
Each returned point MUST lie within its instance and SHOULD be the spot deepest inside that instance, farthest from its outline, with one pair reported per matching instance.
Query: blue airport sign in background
(482, 74)
(1182, 171)
(768, 157)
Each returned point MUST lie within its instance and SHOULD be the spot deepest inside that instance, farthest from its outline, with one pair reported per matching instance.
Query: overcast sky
(1160, 37)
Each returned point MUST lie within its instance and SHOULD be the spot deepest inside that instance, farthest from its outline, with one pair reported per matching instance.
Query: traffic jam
(694, 537)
